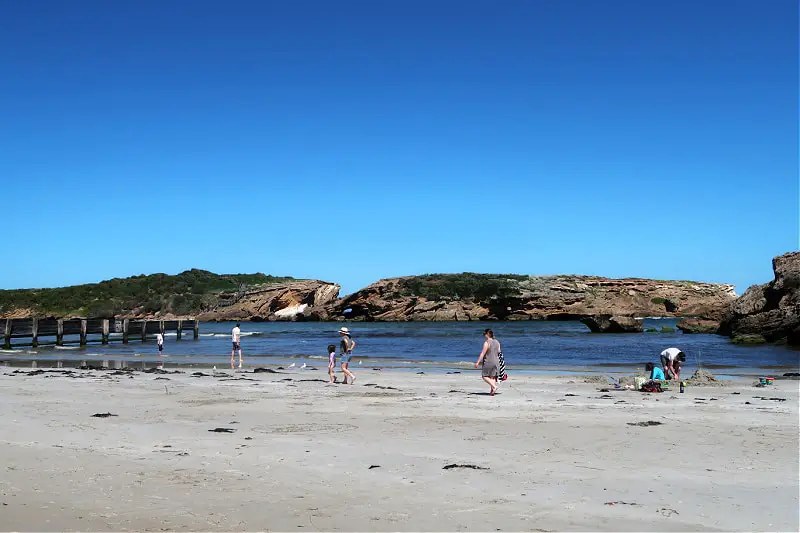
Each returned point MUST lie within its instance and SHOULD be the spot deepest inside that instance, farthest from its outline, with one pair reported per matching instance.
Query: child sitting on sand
(331, 363)
(655, 372)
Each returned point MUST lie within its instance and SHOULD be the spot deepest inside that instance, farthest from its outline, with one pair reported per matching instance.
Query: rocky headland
(285, 301)
(193, 293)
(446, 297)
(768, 312)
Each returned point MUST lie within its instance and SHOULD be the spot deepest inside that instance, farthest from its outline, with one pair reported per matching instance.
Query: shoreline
(141, 363)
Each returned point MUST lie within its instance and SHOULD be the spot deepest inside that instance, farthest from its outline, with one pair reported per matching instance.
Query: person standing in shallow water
(489, 360)
(160, 342)
(345, 349)
(236, 337)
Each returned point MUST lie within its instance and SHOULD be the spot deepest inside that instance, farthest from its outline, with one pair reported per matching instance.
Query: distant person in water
(331, 363)
(160, 342)
(655, 372)
(236, 337)
(346, 346)
(489, 361)
(671, 360)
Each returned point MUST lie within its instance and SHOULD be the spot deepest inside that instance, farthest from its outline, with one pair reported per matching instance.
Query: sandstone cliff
(511, 297)
(771, 310)
(284, 301)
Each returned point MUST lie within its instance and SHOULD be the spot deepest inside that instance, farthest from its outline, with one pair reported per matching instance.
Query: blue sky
(351, 141)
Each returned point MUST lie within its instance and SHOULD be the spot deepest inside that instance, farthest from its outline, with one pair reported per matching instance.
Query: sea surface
(426, 346)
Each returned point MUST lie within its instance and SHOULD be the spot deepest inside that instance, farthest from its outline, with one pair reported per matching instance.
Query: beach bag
(501, 368)
(651, 386)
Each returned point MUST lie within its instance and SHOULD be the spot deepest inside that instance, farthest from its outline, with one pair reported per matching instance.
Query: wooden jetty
(54, 331)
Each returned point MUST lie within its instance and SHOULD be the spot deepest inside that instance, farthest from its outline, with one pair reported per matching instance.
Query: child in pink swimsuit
(331, 363)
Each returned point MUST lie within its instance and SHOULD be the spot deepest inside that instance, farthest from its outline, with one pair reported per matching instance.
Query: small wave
(9, 351)
(67, 347)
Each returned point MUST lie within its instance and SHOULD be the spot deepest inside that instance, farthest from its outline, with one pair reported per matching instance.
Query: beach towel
(501, 372)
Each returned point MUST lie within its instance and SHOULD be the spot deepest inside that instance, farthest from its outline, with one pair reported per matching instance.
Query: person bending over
(671, 360)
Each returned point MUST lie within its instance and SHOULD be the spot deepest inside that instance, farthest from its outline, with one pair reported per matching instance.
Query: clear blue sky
(351, 141)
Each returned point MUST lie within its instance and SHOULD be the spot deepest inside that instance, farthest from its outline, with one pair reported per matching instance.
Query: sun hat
(345, 331)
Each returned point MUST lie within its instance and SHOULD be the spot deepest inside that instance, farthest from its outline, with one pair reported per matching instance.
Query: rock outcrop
(613, 324)
(510, 297)
(771, 310)
(698, 325)
(284, 301)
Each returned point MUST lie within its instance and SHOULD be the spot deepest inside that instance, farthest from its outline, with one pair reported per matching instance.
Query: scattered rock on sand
(456, 465)
(645, 424)
(264, 370)
(222, 430)
(102, 415)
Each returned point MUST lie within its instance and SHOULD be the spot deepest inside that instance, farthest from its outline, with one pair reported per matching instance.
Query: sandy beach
(551, 453)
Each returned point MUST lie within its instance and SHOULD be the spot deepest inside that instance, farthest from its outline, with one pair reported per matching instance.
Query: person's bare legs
(233, 352)
(348, 374)
(492, 382)
(241, 360)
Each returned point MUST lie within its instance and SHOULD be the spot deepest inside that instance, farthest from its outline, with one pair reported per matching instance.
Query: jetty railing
(36, 328)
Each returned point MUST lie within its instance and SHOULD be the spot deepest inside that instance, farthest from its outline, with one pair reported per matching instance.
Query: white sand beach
(554, 453)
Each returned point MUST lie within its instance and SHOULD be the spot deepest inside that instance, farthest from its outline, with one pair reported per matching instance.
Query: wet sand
(550, 453)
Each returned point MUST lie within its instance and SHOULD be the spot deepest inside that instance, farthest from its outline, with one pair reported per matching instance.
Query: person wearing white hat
(345, 349)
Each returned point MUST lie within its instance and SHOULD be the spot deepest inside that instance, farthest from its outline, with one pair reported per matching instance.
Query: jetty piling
(45, 331)
(35, 332)
(7, 335)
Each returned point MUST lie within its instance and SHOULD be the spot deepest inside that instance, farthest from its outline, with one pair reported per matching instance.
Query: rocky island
(444, 297)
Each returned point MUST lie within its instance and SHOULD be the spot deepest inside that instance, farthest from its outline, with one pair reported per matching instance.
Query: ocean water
(430, 346)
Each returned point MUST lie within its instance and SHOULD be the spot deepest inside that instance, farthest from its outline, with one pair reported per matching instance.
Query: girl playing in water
(331, 363)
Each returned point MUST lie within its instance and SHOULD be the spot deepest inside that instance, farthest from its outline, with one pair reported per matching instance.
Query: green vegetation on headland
(187, 293)
(466, 285)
